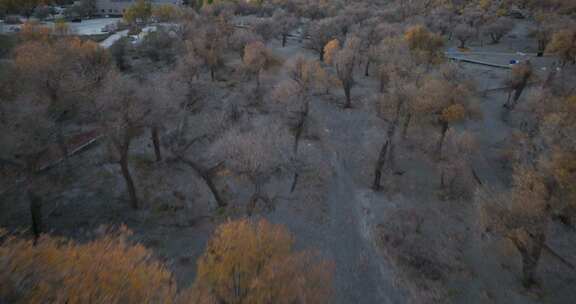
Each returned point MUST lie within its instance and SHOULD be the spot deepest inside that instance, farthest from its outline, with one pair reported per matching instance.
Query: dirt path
(359, 275)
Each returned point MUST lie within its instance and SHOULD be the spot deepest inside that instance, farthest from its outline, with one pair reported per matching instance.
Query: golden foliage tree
(563, 44)
(32, 30)
(445, 102)
(330, 50)
(106, 270)
(254, 262)
(425, 46)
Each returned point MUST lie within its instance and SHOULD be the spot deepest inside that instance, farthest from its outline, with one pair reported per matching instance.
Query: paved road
(113, 38)
(91, 26)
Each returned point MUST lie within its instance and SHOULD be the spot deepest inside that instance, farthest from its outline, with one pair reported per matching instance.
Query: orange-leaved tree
(254, 262)
(106, 270)
(426, 47)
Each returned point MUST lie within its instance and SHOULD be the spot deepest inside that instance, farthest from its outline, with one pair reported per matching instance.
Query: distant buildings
(117, 7)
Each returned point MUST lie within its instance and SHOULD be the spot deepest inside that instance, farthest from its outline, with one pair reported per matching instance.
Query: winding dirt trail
(359, 275)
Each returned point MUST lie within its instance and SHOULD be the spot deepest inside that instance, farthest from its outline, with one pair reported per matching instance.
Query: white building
(117, 7)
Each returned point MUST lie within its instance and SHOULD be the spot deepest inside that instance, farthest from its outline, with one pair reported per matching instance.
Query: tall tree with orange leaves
(107, 270)
(255, 262)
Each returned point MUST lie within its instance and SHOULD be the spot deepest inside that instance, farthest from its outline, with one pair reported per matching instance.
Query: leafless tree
(266, 29)
(458, 178)
(520, 216)
(296, 92)
(256, 154)
(209, 44)
(167, 94)
(393, 105)
(123, 111)
(26, 136)
(257, 57)
(285, 24)
(463, 33)
(371, 33)
(344, 61)
(520, 74)
(59, 74)
(320, 33)
(241, 38)
(498, 29)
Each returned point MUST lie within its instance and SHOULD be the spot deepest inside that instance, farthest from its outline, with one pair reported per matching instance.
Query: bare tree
(520, 74)
(255, 154)
(498, 29)
(458, 179)
(257, 57)
(393, 105)
(124, 108)
(167, 94)
(297, 91)
(463, 33)
(344, 61)
(27, 135)
(266, 29)
(371, 34)
(209, 43)
(60, 73)
(519, 216)
(241, 38)
(285, 24)
(320, 33)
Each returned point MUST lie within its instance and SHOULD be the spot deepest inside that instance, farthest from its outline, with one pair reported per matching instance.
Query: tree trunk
(207, 177)
(124, 150)
(294, 182)
(212, 74)
(391, 161)
(494, 38)
(210, 183)
(156, 142)
(62, 141)
(406, 126)
(367, 68)
(507, 105)
(284, 38)
(301, 124)
(36, 214)
(252, 204)
(530, 250)
(380, 166)
(347, 89)
(444, 130)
